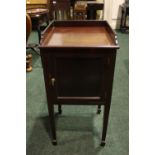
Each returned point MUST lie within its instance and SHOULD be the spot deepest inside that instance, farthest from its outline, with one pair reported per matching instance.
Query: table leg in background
(59, 109)
(52, 124)
(99, 109)
(105, 120)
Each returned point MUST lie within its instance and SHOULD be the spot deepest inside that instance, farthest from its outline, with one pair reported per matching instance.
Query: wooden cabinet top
(79, 34)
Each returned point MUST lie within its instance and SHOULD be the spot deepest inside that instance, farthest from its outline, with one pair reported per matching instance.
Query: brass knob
(53, 81)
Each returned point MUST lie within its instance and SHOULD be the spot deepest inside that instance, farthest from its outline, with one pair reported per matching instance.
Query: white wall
(112, 12)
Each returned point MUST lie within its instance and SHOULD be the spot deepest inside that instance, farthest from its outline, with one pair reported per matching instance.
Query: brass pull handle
(53, 81)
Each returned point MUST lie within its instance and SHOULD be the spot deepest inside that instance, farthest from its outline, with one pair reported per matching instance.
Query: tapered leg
(59, 109)
(99, 109)
(50, 94)
(105, 123)
(52, 124)
(107, 96)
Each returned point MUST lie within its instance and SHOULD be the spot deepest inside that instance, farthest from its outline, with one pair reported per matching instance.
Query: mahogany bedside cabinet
(78, 59)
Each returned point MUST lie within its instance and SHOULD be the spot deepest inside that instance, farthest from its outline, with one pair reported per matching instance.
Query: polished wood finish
(96, 34)
(85, 36)
(28, 62)
(78, 70)
(38, 17)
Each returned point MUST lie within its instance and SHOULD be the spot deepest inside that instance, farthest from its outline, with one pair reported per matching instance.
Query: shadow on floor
(74, 136)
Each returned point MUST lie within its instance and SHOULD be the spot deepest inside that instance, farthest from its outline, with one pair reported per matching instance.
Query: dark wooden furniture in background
(42, 4)
(34, 4)
(60, 9)
(80, 10)
(38, 17)
(78, 59)
(125, 14)
(92, 7)
(65, 5)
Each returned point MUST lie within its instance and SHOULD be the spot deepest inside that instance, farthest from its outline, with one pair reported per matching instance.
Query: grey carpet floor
(79, 127)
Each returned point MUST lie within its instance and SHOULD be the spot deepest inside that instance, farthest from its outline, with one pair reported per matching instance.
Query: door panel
(79, 76)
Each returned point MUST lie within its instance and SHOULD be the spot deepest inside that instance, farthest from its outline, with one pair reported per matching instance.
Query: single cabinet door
(79, 76)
